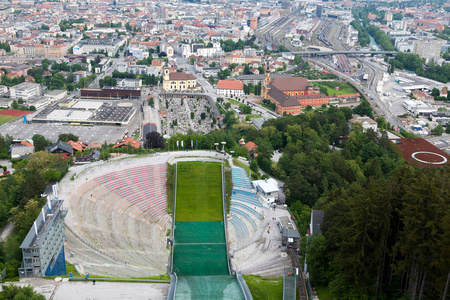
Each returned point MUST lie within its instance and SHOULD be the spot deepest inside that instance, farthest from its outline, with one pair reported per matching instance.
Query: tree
(246, 110)
(12, 291)
(40, 142)
(151, 101)
(65, 137)
(435, 92)
(317, 260)
(154, 140)
(439, 130)
(14, 104)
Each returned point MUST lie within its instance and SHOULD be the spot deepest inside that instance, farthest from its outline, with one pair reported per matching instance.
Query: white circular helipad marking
(444, 159)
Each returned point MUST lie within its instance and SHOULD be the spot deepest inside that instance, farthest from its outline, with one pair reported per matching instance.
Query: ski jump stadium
(118, 225)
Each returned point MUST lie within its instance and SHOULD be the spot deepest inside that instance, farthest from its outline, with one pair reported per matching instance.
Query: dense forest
(387, 225)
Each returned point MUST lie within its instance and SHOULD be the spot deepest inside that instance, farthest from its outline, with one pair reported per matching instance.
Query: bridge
(349, 53)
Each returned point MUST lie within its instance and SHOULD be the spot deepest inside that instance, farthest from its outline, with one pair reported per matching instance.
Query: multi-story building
(25, 90)
(127, 82)
(109, 45)
(429, 48)
(43, 247)
(179, 81)
(290, 94)
(39, 50)
(229, 88)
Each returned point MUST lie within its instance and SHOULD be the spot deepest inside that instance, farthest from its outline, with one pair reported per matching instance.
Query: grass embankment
(170, 183)
(199, 192)
(235, 102)
(240, 164)
(265, 288)
(324, 293)
(5, 119)
(228, 187)
(71, 268)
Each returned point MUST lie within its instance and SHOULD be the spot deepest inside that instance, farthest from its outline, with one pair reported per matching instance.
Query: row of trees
(252, 89)
(413, 62)
(381, 38)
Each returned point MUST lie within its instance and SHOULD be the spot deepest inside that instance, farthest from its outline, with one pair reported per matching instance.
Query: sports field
(5, 119)
(199, 192)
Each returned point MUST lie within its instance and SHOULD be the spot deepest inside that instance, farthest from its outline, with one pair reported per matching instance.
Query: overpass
(349, 53)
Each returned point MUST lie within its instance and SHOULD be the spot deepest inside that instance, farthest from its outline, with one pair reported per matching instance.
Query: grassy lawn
(253, 116)
(169, 187)
(265, 288)
(324, 293)
(228, 187)
(234, 102)
(5, 119)
(240, 164)
(344, 88)
(199, 192)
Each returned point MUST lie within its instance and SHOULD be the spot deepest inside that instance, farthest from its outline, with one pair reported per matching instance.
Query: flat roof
(68, 115)
(87, 105)
(420, 153)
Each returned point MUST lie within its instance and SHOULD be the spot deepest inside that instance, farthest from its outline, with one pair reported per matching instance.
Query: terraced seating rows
(240, 178)
(248, 208)
(240, 228)
(244, 215)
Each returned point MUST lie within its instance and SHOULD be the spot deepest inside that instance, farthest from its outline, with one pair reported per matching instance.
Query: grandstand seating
(245, 205)
(240, 179)
(240, 228)
(137, 191)
(245, 216)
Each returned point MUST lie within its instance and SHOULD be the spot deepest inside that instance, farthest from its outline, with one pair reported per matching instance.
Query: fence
(224, 204)
(244, 286)
(173, 286)
(173, 219)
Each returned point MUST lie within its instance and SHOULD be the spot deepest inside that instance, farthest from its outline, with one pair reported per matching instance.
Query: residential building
(25, 90)
(366, 122)
(229, 88)
(127, 82)
(429, 48)
(127, 142)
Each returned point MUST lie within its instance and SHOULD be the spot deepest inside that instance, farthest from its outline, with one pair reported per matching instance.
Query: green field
(5, 119)
(265, 288)
(344, 88)
(199, 192)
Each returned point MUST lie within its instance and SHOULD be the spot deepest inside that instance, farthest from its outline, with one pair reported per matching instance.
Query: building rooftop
(230, 85)
(420, 153)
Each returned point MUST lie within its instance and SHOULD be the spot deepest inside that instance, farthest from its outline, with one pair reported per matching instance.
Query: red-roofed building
(444, 92)
(229, 88)
(78, 146)
(251, 147)
(127, 142)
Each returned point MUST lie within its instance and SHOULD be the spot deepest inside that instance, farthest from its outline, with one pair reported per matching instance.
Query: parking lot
(19, 130)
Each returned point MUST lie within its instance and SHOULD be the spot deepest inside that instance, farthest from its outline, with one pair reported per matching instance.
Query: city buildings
(25, 90)
(230, 88)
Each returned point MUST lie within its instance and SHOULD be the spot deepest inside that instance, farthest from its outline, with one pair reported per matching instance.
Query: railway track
(301, 285)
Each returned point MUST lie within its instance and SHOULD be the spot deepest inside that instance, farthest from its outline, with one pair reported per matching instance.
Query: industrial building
(86, 113)
(108, 44)
(43, 247)
(111, 92)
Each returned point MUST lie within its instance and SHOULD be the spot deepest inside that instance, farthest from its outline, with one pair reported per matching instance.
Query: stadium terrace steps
(242, 232)
(240, 178)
